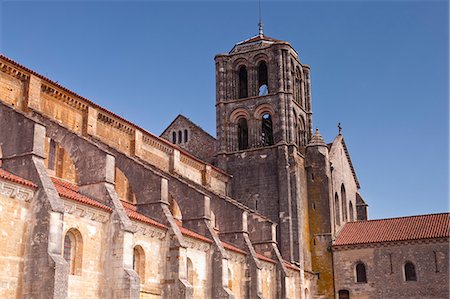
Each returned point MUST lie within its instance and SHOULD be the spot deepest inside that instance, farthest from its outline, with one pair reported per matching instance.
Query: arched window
(242, 134)
(174, 137)
(301, 132)
(175, 209)
(307, 97)
(298, 87)
(243, 82)
(230, 280)
(344, 203)
(73, 251)
(139, 262)
(190, 271)
(266, 130)
(410, 272)
(361, 273)
(351, 211)
(263, 79)
(185, 135)
(180, 137)
(307, 294)
(344, 294)
(52, 155)
(337, 211)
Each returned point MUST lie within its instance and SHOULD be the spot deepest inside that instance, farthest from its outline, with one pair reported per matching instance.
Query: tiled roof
(70, 191)
(230, 247)
(395, 229)
(188, 233)
(265, 258)
(16, 179)
(138, 216)
(258, 38)
(9, 60)
(291, 266)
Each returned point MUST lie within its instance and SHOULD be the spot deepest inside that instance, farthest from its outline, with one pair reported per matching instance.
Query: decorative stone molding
(115, 123)
(197, 245)
(236, 257)
(16, 191)
(62, 96)
(149, 231)
(7, 69)
(82, 211)
(267, 266)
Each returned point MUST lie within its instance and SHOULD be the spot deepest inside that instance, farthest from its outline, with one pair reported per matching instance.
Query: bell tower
(263, 119)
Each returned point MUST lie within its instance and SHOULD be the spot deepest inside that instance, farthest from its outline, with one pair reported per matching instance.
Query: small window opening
(262, 79)
(243, 82)
(314, 242)
(180, 137)
(436, 261)
(267, 130)
(361, 273)
(230, 280)
(185, 135)
(174, 137)
(390, 263)
(190, 271)
(337, 212)
(351, 212)
(344, 294)
(344, 204)
(410, 272)
(139, 262)
(314, 205)
(242, 129)
(73, 250)
(52, 155)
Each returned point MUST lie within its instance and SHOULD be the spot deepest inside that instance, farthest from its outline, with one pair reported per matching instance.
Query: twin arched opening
(249, 132)
(263, 80)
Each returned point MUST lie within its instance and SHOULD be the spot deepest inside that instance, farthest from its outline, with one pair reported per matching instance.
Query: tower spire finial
(261, 33)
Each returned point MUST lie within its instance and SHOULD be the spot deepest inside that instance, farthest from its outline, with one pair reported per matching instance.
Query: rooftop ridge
(103, 109)
(400, 217)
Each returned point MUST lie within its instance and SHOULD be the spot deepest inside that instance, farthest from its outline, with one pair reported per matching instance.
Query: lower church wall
(90, 223)
(385, 272)
(269, 281)
(236, 274)
(155, 246)
(14, 219)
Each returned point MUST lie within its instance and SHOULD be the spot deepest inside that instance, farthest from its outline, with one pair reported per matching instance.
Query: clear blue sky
(380, 68)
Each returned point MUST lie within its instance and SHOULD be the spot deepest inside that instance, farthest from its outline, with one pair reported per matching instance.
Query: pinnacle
(317, 139)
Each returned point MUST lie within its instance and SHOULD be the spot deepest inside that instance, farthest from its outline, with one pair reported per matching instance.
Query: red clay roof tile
(16, 179)
(192, 234)
(233, 248)
(395, 229)
(138, 216)
(67, 190)
(265, 258)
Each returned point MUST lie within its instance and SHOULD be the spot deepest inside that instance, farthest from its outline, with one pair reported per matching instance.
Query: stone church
(93, 206)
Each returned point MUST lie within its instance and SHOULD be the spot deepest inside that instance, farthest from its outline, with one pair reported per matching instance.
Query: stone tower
(263, 106)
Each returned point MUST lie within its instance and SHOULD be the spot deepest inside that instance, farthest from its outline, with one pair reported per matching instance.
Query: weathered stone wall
(14, 215)
(154, 244)
(237, 267)
(90, 223)
(385, 270)
(343, 175)
(268, 275)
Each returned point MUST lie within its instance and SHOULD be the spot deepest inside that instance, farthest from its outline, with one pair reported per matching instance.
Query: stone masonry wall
(385, 273)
